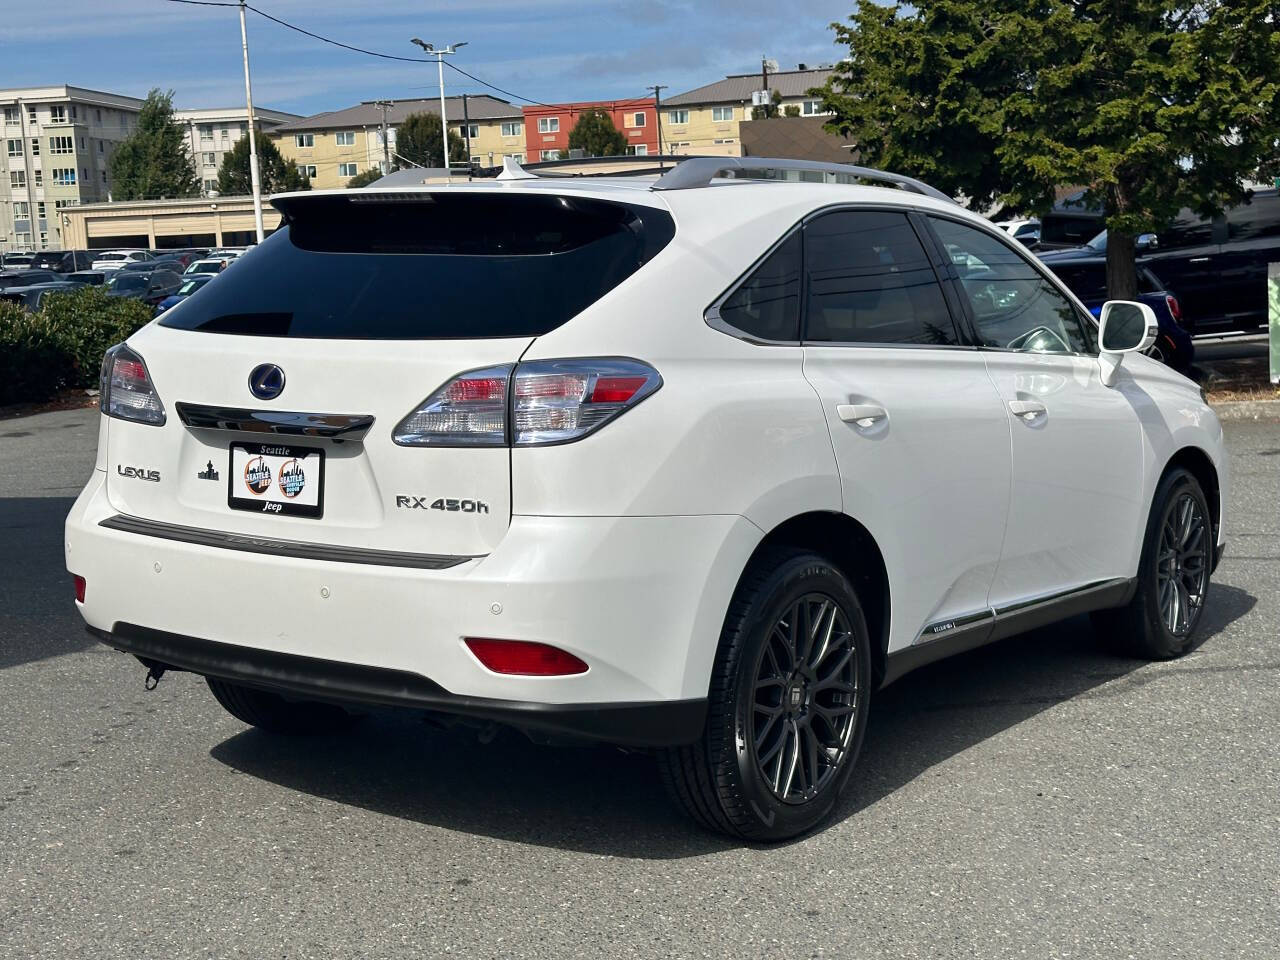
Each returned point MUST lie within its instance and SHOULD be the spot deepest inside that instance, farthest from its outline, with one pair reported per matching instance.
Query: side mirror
(1147, 241)
(1123, 327)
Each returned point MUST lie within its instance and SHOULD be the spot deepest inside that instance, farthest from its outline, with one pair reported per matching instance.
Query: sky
(548, 50)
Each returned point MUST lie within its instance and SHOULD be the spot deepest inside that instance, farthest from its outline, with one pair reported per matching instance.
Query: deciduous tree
(1153, 105)
(153, 162)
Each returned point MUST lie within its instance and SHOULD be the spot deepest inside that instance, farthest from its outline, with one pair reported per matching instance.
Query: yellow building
(331, 148)
(705, 121)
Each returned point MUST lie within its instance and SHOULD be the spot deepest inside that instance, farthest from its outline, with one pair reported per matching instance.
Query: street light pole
(253, 144)
(440, 54)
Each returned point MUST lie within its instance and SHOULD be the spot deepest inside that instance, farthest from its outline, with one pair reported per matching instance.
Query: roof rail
(700, 171)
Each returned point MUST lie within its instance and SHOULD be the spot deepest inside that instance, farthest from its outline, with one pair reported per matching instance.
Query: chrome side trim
(335, 426)
(281, 548)
(968, 621)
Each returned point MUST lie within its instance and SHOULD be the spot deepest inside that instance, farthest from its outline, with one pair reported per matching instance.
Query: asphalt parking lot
(1039, 798)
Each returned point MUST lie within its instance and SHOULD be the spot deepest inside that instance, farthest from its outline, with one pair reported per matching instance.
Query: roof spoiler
(701, 171)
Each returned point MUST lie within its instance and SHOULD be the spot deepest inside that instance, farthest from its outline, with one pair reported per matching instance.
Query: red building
(546, 129)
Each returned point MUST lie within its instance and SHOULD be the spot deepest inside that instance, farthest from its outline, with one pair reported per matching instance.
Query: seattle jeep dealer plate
(276, 478)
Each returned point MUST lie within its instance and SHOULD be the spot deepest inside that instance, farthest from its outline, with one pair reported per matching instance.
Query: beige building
(705, 121)
(164, 224)
(331, 148)
(58, 141)
(211, 132)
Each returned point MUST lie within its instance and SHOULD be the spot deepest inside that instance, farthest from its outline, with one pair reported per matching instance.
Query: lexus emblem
(266, 381)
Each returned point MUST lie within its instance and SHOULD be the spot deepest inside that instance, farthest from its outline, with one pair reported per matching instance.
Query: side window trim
(1088, 325)
(943, 270)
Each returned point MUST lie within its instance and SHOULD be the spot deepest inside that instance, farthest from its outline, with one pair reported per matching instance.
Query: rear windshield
(429, 266)
(130, 281)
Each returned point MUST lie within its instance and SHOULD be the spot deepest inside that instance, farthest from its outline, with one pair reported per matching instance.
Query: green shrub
(61, 345)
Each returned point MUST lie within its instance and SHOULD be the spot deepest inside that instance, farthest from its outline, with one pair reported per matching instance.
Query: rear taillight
(541, 402)
(1175, 308)
(80, 586)
(523, 658)
(125, 389)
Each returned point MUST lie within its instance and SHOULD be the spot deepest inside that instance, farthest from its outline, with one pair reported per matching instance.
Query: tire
(739, 778)
(274, 714)
(1147, 627)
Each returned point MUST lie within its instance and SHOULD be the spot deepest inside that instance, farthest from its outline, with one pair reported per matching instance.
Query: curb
(1247, 410)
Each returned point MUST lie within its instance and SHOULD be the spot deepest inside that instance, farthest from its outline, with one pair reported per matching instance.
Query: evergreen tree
(366, 177)
(596, 136)
(1153, 105)
(153, 163)
(418, 141)
(275, 173)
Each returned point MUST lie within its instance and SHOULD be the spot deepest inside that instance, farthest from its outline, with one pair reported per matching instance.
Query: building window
(20, 210)
(73, 111)
(210, 186)
(17, 179)
(477, 161)
(518, 157)
(44, 239)
(81, 143)
(210, 159)
(224, 134)
(512, 129)
(59, 204)
(638, 150)
(548, 124)
(104, 176)
(40, 209)
(206, 133)
(31, 113)
(57, 114)
(725, 140)
(11, 116)
(305, 139)
(811, 108)
(244, 128)
(348, 169)
(97, 116)
(638, 120)
(345, 138)
(471, 130)
(310, 171)
(35, 146)
(23, 240)
(549, 155)
(721, 114)
(100, 150)
(677, 117)
(14, 147)
(39, 177)
(64, 176)
(61, 145)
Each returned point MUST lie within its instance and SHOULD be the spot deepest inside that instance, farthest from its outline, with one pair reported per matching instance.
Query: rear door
(920, 436)
(356, 311)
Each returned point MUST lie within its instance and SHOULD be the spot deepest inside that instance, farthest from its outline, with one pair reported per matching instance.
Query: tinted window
(767, 304)
(870, 281)
(129, 281)
(1187, 230)
(424, 266)
(1088, 281)
(1013, 305)
(1256, 219)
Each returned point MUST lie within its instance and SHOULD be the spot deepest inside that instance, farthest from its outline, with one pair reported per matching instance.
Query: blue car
(1087, 278)
(190, 284)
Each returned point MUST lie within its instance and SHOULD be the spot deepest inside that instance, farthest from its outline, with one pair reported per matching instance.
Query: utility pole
(657, 112)
(440, 54)
(253, 143)
(386, 146)
(466, 132)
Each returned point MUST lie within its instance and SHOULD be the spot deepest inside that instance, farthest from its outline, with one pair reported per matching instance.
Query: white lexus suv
(693, 463)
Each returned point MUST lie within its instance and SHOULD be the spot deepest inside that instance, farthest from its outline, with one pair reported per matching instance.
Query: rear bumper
(641, 600)
(654, 724)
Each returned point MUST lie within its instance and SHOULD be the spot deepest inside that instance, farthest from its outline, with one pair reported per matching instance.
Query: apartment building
(333, 147)
(212, 132)
(57, 144)
(548, 126)
(705, 121)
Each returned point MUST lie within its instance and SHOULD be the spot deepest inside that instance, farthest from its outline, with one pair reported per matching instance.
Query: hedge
(62, 344)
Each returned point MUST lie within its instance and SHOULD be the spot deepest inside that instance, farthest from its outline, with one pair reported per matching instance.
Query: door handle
(1027, 409)
(863, 414)
(1198, 260)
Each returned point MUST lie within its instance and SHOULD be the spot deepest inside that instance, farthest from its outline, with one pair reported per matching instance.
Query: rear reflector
(79, 582)
(522, 658)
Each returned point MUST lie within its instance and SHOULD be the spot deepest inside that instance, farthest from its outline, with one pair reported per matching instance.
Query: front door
(1076, 500)
(919, 434)
(1188, 258)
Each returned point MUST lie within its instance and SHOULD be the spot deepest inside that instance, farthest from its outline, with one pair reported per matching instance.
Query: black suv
(63, 261)
(1218, 267)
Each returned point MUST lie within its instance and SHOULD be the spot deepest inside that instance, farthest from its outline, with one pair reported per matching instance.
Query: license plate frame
(273, 498)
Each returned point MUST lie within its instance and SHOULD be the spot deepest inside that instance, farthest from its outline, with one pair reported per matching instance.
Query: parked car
(63, 261)
(209, 265)
(18, 260)
(95, 278)
(149, 286)
(183, 258)
(25, 278)
(672, 502)
(190, 284)
(1087, 279)
(1025, 231)
(1069, 223)
(33, 296)
(115, 259)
